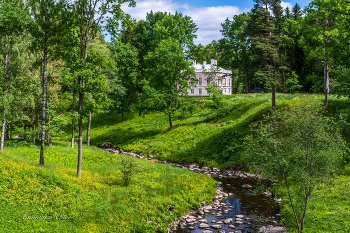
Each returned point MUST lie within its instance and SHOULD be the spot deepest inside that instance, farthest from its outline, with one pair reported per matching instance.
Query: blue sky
(207, 15)
(239, 3)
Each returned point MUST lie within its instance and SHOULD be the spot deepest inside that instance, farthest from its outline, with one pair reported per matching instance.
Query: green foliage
(168, 76)
(300, 148)
(96, 202)
(317, 82)
(129, 168)
(216, 97)
(292, 83)
(197, 137)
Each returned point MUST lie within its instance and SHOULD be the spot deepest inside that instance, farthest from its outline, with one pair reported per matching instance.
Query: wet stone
(216, 226)
(229, 220)
(203, 225)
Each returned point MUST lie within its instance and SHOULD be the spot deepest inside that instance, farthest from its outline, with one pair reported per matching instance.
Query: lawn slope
(52, 199)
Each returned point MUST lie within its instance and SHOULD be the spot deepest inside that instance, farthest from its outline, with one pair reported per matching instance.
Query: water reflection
(255, 208)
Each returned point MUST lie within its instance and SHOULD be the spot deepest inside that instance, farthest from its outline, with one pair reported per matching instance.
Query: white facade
(223, 79)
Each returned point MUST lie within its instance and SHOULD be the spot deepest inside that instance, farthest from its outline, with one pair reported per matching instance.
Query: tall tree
(44, 28)
(125, 82)
(168, 76)
(260, 29)
(237, 50)
(160, 26)
(90, 15)
(321, 28)
(13, 18)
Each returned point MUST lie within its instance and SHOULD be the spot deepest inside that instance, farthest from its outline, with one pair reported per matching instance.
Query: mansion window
(200, 81)
(200, 91)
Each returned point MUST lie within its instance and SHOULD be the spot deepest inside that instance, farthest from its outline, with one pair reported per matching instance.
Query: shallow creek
(257, 210)
(253, 210)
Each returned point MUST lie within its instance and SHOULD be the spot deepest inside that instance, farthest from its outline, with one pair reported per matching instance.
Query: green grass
(97, 202)
(203, 139)
(199, 138)
(329, 208)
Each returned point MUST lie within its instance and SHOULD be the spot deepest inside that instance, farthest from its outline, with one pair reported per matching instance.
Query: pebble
(229, 220)
(203, 225)
(216, 226)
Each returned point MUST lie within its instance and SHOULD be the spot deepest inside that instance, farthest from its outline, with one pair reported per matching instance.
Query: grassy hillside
(97, 202)
(199, 137)
(204, 139)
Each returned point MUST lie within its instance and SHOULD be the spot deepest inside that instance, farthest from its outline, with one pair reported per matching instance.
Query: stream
(242, 210)
(257, 210)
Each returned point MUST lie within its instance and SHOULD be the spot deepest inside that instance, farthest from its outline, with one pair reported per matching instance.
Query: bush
(129, 168)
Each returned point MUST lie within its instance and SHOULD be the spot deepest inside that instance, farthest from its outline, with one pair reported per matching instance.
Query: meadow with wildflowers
(198, 136)
(52, 199)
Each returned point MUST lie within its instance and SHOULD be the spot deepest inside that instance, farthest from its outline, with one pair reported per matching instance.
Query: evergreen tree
(260, 30)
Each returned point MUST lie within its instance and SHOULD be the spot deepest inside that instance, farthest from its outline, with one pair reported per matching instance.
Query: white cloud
(207, 19)
(142, 7)
(286, 4)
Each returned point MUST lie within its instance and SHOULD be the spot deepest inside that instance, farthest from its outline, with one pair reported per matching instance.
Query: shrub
(129, 167)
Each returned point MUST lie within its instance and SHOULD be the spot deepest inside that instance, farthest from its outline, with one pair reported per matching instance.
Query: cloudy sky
(206, 14)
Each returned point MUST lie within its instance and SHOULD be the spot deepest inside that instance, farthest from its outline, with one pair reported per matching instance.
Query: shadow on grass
(225, 148)
(125, 140)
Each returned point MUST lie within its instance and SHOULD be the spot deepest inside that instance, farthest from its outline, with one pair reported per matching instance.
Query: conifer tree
(260, 29)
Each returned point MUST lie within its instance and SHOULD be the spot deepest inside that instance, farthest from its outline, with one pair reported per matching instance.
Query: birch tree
(322, 27)
(13, 17)
(91, 16)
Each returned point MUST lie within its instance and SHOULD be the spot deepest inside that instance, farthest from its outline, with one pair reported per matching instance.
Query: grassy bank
(199, 137)
(204, 139)
(97, 202)
(329, 208)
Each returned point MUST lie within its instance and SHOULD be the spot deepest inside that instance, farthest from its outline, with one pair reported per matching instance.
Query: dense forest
(77, 72)
(56, 65)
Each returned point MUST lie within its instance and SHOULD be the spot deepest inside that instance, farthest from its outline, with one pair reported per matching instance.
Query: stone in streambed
(271, 229)
(220, 231)
(203, 225)
(216, 226)
(229, 220)
(247, 186)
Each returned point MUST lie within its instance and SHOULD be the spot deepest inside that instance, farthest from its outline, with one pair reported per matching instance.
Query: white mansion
(223, 79)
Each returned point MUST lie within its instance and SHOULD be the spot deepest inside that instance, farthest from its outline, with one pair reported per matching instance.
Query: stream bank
(234, 209)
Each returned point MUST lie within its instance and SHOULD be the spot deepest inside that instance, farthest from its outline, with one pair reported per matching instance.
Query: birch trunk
(73, 120)
(43, 117)
(284, 82)
(326, 74)
(4, 110)
(284, 77)
(88, 130)
(2, 134)
(80, 120)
